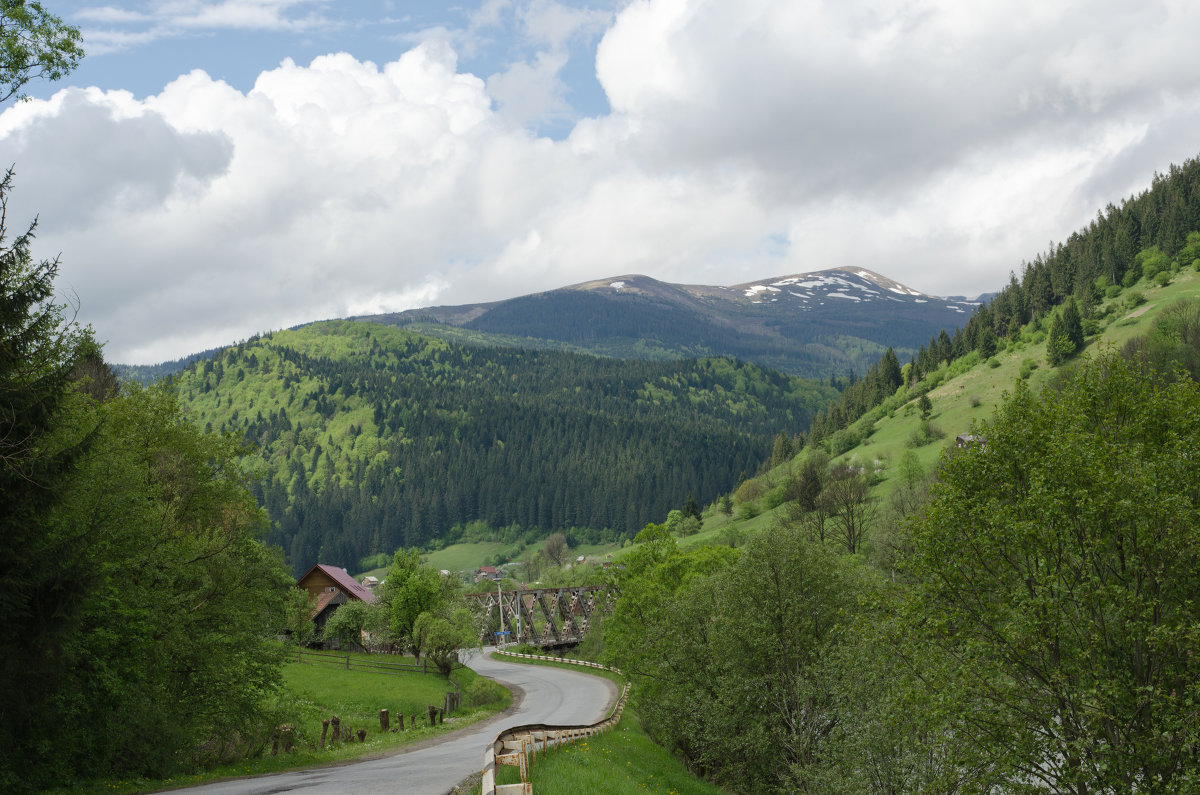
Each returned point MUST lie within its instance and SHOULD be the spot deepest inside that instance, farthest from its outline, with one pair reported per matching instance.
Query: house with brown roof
(332, 579)
(332, 586)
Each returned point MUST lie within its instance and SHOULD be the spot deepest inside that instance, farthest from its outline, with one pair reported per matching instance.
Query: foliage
(445, 638)
(298, 613)
(557, 550)
(355, 420)
(410, 590)
(1058, 569)
(482, 691)
(724, 650)
(1173, 341)
(347, 623)
(45, 430)
(34, 43)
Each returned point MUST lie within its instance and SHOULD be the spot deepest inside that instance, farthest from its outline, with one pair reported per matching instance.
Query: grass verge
(313, 692)
(624, 760)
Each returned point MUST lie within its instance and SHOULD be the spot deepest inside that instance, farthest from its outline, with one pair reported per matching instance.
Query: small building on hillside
(968, 439)
(488, 573)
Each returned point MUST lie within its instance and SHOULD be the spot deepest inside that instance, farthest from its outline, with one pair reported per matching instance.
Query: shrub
(484, 691)
(1162, 278)
(1112, 291)
(843, 440)
(993, 362)
(775, 497)
(1027, 368)
(748, 510)
(924, 434)
(1134, 299)
(749, 490)
(975, 401)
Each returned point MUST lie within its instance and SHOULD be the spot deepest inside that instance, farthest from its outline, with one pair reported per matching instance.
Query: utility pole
(500, 598)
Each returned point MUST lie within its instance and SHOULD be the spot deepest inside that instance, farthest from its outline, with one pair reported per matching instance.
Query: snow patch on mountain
(617, 285)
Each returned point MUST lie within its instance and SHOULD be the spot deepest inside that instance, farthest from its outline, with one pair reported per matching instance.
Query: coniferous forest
(375, 438)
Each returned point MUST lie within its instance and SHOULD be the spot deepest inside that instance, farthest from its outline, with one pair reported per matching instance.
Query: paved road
(551, 695)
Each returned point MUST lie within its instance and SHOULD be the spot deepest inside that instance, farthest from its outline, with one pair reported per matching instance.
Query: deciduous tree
(1059, 566)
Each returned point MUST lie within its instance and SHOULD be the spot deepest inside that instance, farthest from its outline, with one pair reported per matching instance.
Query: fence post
(324, 731)
(347, 662)
(384, 722)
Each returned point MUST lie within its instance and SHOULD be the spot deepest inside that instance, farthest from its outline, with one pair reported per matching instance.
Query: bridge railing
(518, 746)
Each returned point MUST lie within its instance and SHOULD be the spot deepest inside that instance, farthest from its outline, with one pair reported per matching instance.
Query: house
(488, 573)
(327, 602)
(370, 582)
(333, 587)
(331, 579)
(965, 439)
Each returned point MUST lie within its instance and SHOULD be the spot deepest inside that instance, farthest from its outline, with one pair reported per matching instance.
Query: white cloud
(172, 18)
(935, 143)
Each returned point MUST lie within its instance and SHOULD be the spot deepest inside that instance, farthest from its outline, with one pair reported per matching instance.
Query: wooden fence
(350, 664)
(452, 701)
(519, 745)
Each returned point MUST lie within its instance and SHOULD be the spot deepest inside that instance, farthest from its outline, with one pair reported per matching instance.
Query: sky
(217, 169)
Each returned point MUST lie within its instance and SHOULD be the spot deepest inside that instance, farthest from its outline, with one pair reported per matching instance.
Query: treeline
(139, 607)
(1016, 624)
(1151, 235)
(374, 438)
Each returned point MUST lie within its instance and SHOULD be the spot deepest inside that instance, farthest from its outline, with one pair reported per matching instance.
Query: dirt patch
(1141, 310)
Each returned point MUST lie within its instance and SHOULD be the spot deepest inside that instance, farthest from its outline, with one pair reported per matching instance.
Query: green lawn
(314, 691)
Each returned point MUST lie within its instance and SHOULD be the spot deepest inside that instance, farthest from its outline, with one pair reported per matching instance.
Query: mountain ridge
(815, 323)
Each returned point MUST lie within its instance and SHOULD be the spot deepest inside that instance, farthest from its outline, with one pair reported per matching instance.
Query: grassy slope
(885, 439)
(622, 761)
(314, 691)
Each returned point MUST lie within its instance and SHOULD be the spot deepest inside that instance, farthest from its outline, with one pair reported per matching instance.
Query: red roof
(345, 582)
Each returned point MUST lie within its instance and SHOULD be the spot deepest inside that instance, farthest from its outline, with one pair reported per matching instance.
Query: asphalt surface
(550, 695)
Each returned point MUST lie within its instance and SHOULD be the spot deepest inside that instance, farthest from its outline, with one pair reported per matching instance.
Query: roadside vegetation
(624, 760)
(319, 688)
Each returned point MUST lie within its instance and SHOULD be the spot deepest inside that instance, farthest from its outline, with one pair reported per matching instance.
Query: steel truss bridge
(544, 616)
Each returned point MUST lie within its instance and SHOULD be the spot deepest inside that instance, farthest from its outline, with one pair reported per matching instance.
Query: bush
(484, 691)
(1112, 291)
(775, 497)
(993, 362)
(975, 401)
(1027, 368)
(924, 434)
(749, 490)
(1162, 278)
(843, 440)
(1134, 299)
(748, 510)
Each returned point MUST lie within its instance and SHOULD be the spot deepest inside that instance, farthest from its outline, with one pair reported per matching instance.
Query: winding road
(550, 695)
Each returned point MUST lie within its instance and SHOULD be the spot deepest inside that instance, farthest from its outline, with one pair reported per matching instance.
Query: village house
(488, 573)
(332, 586)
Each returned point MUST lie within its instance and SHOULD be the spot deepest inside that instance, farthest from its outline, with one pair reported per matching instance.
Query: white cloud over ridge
(936, 145)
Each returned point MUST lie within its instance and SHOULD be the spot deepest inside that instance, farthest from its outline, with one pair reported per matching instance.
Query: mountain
(372, 437)
(810, 324)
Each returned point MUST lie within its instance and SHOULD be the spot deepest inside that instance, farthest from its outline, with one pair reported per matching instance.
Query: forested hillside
(1148, 238)
(373, 437)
